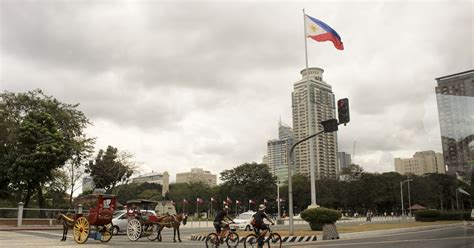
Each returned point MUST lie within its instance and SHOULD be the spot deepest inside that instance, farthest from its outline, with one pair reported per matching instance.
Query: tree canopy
(110, 168)
(38, 134)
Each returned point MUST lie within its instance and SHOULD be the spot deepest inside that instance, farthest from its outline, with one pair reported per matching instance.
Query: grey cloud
(229, 68)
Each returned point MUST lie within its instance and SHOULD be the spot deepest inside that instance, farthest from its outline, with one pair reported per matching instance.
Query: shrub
(455, 216)
(317, 217)
(427, 215)
(434, 215)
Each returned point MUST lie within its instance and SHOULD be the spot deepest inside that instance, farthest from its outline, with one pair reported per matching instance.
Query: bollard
(20, 214)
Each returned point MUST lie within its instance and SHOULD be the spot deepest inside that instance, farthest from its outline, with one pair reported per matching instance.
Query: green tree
(190, 192)
(110, 169)
(40, 151)
(352, 172)
(35, 113)
(249, 181)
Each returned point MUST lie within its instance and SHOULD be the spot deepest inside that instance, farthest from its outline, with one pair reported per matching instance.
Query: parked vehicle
(242, 222)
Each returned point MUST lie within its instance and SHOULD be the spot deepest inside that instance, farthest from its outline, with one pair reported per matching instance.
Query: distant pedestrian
(392, 214)
(385, 214)
(369, 215)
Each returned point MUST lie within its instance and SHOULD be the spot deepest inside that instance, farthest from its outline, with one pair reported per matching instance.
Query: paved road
(442, 237)
(439, 237)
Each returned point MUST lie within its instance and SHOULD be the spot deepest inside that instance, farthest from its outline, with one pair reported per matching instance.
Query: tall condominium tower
(455, 97)
(277, 152)
(343, 160)
(313, 102)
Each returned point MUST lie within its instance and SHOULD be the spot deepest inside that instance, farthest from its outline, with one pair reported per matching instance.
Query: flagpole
(311, 131)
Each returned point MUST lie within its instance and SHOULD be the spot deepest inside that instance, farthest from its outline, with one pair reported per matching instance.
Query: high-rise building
(421, 163)
(197, 175)
(154, 177)
(343, 160)
(455, 97)
(277, 152)
(312, 102)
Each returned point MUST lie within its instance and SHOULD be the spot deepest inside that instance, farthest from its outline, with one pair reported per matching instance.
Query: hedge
(435, 215)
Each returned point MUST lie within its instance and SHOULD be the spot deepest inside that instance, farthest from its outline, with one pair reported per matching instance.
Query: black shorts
(262, 226)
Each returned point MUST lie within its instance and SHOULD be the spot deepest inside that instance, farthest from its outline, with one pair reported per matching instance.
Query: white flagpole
(305, 46)
(311, 131)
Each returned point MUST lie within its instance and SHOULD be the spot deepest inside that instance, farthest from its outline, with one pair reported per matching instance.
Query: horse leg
(159, 233)
(64, 232)
(179, 237)
(174, 234)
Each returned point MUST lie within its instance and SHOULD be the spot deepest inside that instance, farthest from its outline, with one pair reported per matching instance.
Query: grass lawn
(358, 228)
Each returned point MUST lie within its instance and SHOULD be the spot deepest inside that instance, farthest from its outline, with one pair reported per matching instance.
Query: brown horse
(67, 220)
(172, 221)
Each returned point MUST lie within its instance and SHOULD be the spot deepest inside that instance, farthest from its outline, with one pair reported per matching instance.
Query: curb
(285, 239)
(29, 228)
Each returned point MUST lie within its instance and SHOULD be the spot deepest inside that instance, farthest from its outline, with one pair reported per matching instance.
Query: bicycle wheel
(212, 240)
(232, 239)
(274, 241)
(250, 240)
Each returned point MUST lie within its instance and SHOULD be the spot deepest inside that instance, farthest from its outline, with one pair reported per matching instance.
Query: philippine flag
(320, 31)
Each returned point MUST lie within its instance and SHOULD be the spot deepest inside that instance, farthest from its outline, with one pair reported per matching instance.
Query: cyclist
(219, 221)
(260, 225)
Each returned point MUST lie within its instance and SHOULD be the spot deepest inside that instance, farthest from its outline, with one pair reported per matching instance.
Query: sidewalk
(30, 228)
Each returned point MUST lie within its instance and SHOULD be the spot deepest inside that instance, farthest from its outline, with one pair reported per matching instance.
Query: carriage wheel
(81, 230)
(152, 231)
(106, 233)
(134, 229)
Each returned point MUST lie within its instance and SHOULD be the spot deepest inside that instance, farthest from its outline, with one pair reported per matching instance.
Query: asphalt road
(438, 237)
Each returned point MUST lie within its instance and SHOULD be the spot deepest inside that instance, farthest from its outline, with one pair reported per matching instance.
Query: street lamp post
(278, 199)
(401, 194)
(409, 196)
(290, 186)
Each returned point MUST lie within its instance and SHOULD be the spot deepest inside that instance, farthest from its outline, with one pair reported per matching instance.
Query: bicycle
(228, 235)
(273, 239)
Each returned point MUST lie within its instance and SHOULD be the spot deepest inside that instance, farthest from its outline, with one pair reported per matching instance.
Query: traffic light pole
(290, 186)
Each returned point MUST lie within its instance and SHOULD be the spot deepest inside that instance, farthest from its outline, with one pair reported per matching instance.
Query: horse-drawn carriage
(98, 219)
(142, 222)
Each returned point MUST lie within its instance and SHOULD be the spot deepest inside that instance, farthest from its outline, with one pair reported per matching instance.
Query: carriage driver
(219, 221)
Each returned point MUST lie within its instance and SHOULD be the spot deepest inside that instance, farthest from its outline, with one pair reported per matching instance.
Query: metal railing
(33, 216)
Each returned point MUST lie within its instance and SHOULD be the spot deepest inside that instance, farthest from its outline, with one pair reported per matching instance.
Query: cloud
(203, 84)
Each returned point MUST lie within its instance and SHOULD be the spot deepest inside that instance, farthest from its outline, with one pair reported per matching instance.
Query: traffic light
(329, 125)
(343, 110)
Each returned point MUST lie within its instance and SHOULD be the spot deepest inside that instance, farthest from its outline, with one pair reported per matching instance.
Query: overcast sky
(203, 84)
